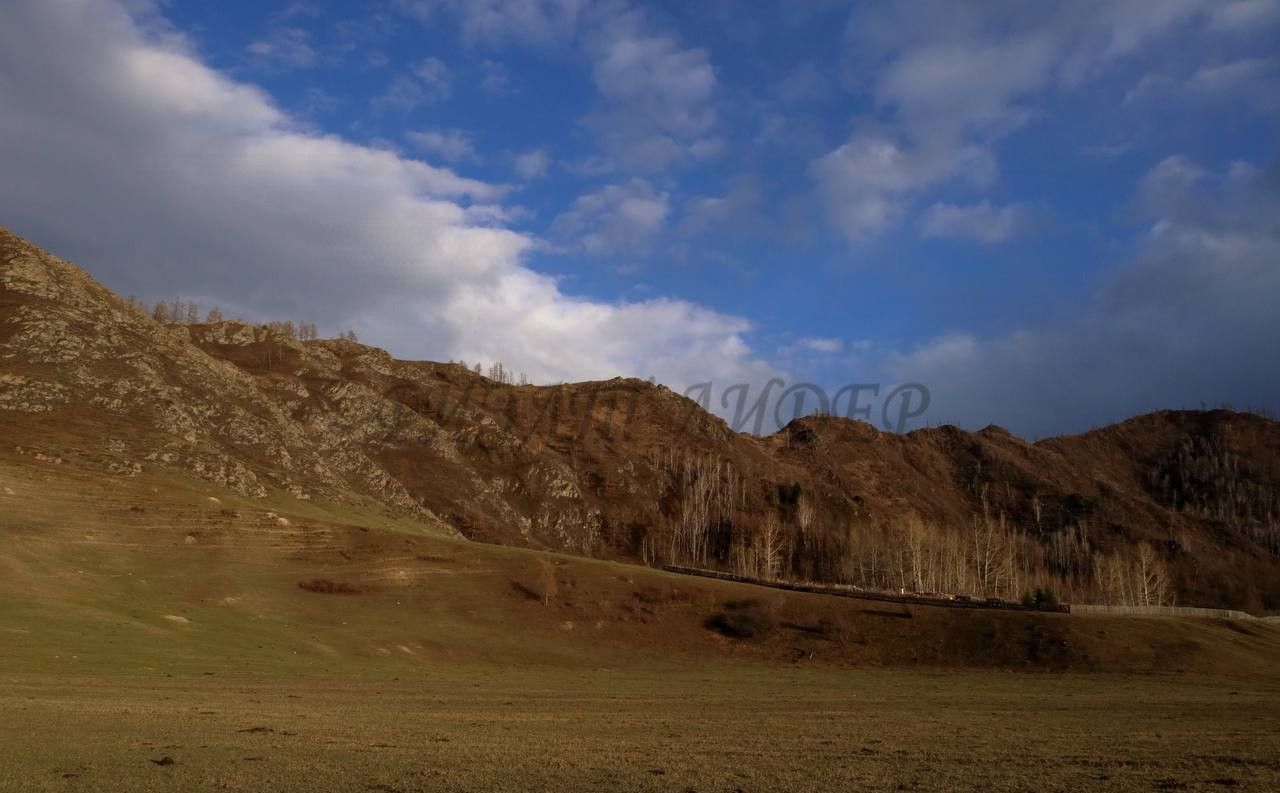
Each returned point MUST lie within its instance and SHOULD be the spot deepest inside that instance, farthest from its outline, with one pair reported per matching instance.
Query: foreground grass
(152, 621)
(723, 729)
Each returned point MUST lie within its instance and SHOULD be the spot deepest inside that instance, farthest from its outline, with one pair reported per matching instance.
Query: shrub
(327, 587)
(1040, 598)
(741, 623)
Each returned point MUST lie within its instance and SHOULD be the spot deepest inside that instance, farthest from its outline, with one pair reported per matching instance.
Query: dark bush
(1040, 598)
(328, 587)
(741, 624)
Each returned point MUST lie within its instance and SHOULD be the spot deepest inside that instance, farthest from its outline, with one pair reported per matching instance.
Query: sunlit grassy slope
(143, 618)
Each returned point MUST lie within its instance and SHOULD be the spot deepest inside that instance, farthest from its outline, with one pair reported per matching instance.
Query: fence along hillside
(962, 601)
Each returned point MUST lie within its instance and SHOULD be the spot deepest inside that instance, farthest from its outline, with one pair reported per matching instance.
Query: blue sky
(1053, 215)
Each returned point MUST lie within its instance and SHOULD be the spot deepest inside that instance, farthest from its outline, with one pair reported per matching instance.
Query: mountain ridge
(627, 469)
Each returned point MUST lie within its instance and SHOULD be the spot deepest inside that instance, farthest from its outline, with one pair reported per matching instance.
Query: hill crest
(627, 469)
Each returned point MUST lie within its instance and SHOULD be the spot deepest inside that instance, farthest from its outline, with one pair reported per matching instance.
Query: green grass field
(141, 620)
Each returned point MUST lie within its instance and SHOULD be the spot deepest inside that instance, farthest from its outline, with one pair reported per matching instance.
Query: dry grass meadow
(156, 636)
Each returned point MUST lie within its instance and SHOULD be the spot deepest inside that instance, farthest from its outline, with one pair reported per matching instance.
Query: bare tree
(770, 547)
(215, 315)
(1151, 577)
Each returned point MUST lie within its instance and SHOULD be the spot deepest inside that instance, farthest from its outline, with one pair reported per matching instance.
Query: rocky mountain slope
(1173, 506)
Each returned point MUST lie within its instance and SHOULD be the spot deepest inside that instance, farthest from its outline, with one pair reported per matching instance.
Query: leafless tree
(771, 547)
(1151, 577)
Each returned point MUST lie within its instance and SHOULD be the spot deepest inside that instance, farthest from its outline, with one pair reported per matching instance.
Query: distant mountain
(1174, 506)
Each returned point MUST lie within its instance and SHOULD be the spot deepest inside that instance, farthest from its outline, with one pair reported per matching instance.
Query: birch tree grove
(708, 490)
(707, 523)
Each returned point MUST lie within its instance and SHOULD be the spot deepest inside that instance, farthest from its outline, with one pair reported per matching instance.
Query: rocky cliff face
(627, 469)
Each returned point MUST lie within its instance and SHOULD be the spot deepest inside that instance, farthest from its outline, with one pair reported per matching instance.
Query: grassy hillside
(155, 617)
(1176, 506)
(177, 572)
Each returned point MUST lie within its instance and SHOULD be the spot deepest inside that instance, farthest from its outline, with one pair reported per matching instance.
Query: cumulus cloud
(533, 164)
(979, 222)
(451, 145)
(952, 80)
(741, 211)
(819, 344)
(284, 47)
(428, 82)
(528, 22)
(615, 219)
(657, 96)
(124, 152)
(868, 181)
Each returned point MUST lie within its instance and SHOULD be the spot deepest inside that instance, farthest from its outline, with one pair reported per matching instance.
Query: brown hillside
(1171, 506)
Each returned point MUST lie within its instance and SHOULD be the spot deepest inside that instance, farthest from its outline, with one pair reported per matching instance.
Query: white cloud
(979, 222)
(656, 77)
(285, 47)
(451, 145)
(530, 22)
(1253, 83)
(952, 80)
(428, 82)
(618, 218)
(1244, 15)
(1228, 76)
(657, 96)
(125, 153)
(741, 211)
(533, 164)
(867, 182)
(822, 345)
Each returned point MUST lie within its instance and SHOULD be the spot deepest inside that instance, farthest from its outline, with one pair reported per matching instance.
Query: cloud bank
(123, 151)
(1189, 320)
